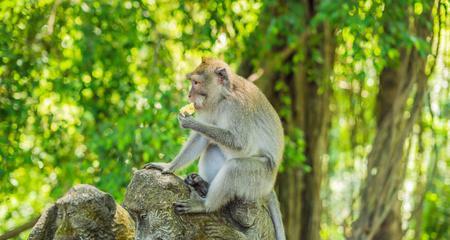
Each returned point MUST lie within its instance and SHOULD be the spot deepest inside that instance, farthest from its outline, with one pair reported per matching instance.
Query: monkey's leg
(245, 178)
(211, 162)
(195, 181)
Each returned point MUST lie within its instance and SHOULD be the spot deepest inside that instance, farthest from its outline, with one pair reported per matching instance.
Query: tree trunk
(391, 228)
(147, 213)
(386, 165)
(380, 216)
(289, 195)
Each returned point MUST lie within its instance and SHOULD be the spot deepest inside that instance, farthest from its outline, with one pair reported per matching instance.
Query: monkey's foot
(189, 206)
(195, 181)
(164, 167)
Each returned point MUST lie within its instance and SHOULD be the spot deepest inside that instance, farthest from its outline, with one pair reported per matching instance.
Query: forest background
(90, 90)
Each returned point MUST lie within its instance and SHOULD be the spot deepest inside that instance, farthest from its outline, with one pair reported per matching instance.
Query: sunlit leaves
(294, 152)
(90, 90)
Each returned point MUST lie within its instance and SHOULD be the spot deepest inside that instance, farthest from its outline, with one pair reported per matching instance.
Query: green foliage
(294, 151)
(436, 226)
(89, 91)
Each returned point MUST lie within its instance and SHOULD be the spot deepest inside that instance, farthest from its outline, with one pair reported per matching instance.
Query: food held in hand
(188, 110)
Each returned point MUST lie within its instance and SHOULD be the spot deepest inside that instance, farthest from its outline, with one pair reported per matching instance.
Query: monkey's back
(264, 129)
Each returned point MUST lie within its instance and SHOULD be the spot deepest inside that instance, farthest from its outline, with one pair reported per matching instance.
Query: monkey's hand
(195, 181)
(186, 121)
(190, 206)
(164, 167)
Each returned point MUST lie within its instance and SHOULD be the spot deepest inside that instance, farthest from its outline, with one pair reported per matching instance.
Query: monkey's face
(207, 84)
(198, 92)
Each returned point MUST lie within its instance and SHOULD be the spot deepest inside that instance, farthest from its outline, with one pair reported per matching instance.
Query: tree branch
(22, 228)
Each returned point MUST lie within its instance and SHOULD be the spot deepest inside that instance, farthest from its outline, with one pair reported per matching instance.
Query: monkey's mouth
(199, 102)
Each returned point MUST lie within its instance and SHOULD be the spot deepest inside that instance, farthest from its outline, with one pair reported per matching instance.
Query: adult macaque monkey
(239, 137)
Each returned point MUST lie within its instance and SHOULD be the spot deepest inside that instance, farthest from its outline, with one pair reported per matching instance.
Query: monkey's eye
(142, 216)
(195, 82)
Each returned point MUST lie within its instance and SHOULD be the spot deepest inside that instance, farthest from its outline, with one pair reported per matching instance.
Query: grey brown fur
(239, 138)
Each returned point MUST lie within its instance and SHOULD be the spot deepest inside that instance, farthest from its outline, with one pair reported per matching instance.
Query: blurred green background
(90, 90)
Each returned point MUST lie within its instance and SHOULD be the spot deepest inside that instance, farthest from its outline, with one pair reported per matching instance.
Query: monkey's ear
(223, 76)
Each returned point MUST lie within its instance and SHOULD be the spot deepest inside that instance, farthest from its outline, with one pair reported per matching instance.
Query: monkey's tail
(275, 214)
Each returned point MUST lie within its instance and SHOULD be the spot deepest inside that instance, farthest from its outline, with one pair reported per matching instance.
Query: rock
(85, 212)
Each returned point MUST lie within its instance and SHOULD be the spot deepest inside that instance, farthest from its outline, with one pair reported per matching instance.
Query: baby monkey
(240, 139)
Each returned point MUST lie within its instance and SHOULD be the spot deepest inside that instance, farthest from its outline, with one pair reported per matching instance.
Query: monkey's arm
(190, 151)
(222, 136)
